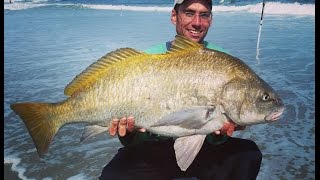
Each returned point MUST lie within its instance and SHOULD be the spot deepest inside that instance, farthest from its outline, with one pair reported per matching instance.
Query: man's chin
(197, 39)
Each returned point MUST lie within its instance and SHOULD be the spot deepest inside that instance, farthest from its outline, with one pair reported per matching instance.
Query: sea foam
(80, 176)
(270, 8)
(15, 161)
(22, 5)
(275, 8)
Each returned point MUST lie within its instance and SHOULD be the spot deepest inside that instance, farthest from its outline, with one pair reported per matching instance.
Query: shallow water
(46, 47)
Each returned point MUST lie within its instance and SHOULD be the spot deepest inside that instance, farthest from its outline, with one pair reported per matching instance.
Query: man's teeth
(195, 32)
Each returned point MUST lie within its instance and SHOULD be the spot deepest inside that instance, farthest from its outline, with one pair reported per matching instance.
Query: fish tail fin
(38, 118)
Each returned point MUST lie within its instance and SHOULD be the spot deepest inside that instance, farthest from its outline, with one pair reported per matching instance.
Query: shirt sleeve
(215, 47)
(157, 49)
(216, 139)
(133, 138)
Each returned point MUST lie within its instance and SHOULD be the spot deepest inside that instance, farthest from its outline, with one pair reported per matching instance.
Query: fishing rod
(258, 42)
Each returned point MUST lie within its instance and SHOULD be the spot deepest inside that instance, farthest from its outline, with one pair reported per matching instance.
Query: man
(149, 156)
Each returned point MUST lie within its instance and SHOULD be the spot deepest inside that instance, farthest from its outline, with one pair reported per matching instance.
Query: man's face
(192, 19)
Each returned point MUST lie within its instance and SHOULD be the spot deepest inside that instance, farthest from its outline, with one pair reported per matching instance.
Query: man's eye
(205, 15)
(189, 14)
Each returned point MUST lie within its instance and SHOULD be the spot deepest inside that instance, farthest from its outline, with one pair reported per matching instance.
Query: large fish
(186, 93)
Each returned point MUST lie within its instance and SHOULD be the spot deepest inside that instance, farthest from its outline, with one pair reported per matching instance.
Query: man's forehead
(197, 5)
(209, 2)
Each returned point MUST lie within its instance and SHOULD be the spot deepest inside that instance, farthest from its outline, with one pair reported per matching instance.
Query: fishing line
(258, 42)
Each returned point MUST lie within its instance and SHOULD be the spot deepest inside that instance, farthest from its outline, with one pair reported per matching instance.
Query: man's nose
(196, 20)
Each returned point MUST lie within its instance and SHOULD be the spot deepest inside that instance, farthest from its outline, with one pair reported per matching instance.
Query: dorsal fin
(92, 73)
(181, 44)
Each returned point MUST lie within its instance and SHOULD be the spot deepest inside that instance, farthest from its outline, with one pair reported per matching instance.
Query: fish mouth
(275, 115)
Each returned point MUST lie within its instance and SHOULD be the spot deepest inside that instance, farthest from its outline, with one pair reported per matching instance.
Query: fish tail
(40, 122)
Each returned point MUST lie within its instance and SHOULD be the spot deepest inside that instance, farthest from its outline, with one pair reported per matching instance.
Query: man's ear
(174, 16)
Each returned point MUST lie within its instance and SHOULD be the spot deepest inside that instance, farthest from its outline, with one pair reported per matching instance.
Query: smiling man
(192, 19)
(150, 156)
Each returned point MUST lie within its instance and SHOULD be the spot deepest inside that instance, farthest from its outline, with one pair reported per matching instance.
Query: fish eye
(265, 97)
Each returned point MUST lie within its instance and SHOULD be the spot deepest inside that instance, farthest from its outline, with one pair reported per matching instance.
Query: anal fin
(186, 149)
(90, 131)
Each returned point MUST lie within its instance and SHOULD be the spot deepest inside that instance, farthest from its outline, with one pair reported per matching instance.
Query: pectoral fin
(90, 131)
(186, 149)
(192, 118)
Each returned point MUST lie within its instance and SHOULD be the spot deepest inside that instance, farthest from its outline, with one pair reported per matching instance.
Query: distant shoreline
(8, 173)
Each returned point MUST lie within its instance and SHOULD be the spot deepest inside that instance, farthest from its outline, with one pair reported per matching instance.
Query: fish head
(262, 105)
(251, 102)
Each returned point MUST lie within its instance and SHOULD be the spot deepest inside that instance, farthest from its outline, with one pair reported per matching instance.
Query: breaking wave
(277, 8)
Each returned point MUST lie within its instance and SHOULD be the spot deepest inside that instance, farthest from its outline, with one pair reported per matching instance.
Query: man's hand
(228, 128)
(122, 126)
(127, 124)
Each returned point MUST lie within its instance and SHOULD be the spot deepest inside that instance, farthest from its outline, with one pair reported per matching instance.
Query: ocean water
(47, 43)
